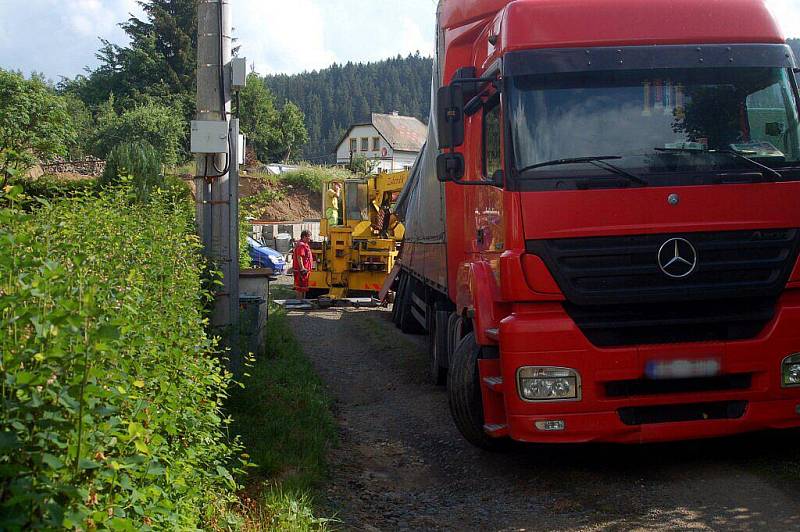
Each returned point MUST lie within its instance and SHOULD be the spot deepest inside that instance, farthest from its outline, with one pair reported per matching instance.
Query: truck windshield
(671, 125)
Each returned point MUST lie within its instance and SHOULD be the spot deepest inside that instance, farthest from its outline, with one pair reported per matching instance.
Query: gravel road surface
(401, 463)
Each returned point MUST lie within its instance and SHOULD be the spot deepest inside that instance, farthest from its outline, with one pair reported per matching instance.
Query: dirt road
(401, 463)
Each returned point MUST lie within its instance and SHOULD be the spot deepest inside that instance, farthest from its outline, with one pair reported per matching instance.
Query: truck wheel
(437, 347)
(455, 332)
(464, 394)
(408, 323)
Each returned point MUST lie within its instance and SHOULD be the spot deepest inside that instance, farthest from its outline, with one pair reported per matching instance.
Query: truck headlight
(790, 370)
(536, 383)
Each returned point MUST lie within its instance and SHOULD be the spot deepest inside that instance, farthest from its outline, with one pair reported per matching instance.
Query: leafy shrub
(51, 188)
(158, 125)
(137, 160)
(312, 177)
(111, 388)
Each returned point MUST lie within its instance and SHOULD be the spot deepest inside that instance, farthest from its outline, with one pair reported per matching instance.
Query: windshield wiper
(732, 153)
(599, 162)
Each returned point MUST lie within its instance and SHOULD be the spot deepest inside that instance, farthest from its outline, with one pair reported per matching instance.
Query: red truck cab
(603, 230)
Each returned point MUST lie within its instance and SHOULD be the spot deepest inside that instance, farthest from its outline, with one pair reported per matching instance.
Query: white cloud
(787, 12)
(59, 37)
(90, 18)
(282, 36)
(299, 35)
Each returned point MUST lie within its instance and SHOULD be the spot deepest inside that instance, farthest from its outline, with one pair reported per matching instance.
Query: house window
(353, 145)
(364, 144)
(376, 144)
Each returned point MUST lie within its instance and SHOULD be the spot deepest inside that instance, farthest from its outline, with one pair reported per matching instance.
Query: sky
(60, 37)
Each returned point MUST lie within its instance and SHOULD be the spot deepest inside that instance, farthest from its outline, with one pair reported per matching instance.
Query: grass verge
(284, 418)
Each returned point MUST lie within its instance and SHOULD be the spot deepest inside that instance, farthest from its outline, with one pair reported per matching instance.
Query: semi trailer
(602, 230)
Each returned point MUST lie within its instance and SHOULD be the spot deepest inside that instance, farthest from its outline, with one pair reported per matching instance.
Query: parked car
(264, 257)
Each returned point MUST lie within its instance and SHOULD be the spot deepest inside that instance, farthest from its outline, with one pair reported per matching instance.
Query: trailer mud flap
(388, 282)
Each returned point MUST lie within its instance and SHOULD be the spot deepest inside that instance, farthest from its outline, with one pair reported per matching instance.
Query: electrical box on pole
(238, 72)
(209, 136)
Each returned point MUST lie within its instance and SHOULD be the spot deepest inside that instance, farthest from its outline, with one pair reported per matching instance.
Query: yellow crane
(361, 236)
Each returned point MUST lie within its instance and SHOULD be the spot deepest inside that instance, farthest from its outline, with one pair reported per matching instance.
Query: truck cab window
(356, 201)
(492, 161)
(672, 126)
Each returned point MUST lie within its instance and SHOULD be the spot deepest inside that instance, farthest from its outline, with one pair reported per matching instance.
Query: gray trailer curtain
(421, 204)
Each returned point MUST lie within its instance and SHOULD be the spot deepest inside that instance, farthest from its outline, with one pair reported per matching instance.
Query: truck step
(494, 383)
(496, 431)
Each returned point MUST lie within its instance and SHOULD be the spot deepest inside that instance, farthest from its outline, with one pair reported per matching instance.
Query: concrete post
(217, 197)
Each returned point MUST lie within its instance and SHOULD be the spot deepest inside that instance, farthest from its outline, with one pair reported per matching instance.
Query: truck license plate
(682, 369)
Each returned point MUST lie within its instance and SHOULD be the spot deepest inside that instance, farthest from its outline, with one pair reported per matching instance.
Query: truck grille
(618, 295)
(673, 322)
(645, 387)
(646, 415)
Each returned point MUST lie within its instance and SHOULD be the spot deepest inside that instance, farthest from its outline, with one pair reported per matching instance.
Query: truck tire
(455, 332)
(408, 323)
(464, 394)
(437, 347)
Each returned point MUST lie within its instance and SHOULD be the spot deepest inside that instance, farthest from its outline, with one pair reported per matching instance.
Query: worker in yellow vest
(332, 212)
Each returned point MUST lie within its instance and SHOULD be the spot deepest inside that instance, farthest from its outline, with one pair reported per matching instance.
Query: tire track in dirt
(401, 464)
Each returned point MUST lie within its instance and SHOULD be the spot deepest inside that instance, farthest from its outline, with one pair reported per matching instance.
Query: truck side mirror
(450, 167)
(450, 103)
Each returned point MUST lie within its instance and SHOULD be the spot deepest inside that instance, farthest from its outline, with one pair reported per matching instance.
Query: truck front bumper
(618, 403)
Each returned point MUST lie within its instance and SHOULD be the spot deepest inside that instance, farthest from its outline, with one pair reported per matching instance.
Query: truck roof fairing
(577, 23)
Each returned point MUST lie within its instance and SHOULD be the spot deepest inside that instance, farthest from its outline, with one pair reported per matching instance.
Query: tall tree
(157, 67)
(258, 115)
(34, 124)
(291, 132)
(276, 134)
(171, 31)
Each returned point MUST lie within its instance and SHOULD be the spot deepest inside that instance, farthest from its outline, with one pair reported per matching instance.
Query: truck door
(486, 209)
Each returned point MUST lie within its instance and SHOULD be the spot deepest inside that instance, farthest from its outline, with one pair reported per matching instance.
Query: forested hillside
(336, 97)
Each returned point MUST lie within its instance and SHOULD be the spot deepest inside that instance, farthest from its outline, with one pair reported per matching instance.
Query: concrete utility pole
(217, 183)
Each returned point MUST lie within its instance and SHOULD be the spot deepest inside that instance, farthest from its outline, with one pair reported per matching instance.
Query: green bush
(138, 161)
(111, 389)
(50, 188)
(158, 125)
(312, 177)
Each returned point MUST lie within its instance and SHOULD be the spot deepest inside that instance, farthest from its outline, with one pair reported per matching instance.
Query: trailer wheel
(437, 347)
(408, 323)
(398, 299)
(464, 394)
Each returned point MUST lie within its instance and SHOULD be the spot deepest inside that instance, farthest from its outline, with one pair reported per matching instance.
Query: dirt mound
(271, 201)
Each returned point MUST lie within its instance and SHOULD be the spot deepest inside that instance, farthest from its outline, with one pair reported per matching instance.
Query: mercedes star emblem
(677, 258)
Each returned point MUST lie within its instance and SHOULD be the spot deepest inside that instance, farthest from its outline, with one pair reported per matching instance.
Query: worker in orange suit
(303, 258)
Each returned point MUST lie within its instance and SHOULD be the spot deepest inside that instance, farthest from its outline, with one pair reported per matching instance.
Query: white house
(393, 141)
